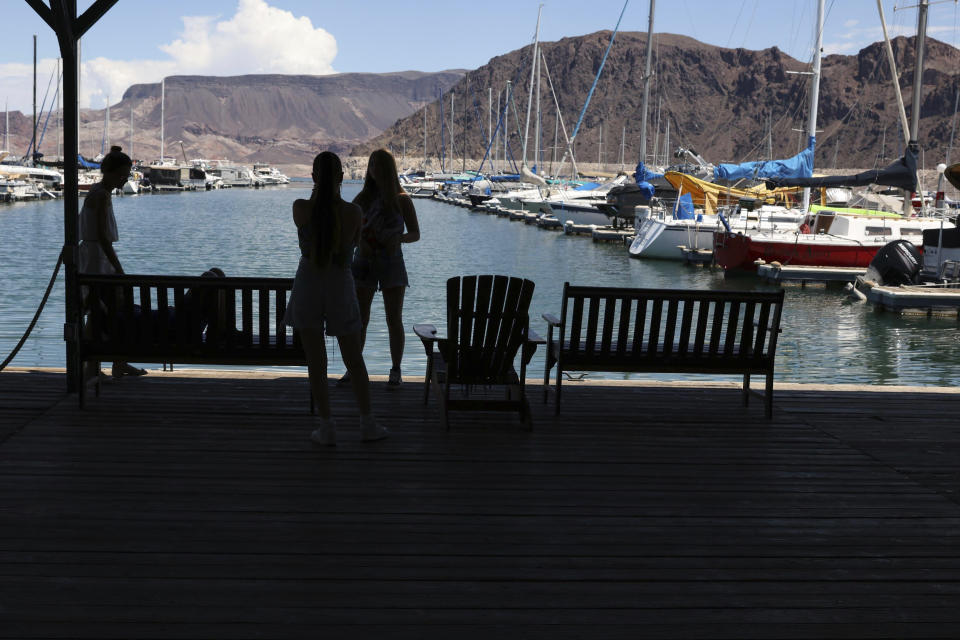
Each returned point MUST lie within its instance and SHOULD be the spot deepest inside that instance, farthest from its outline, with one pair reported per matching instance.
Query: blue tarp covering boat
(799, 166)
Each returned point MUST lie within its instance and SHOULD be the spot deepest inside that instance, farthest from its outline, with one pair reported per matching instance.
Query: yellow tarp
(709, 196)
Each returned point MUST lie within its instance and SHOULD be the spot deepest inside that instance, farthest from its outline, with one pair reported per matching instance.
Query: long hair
(324, 223)
(381, 180)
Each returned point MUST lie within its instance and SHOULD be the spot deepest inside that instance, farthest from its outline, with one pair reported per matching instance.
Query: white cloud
(854, 40)
(851, 23)
(258, 38)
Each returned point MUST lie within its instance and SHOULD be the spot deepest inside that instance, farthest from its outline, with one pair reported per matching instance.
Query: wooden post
(61, 16)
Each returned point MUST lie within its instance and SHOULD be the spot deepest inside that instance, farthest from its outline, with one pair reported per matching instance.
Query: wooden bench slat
(716, 330)
(609, 313)
(671, 318)
(623, 332)
(246, 316)
(656, 319)
(684, 343)
(280, 300)
(733, 318)
(576, 324)
(703, 310)
(746, 339)
(640, 319)
(263, 303)
(593, 315)
(761, 334)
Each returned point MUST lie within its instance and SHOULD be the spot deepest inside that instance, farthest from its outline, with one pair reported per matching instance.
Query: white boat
(268, 175)
(46, 178)
(661, 236)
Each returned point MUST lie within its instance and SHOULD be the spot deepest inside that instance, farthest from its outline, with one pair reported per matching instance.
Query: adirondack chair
(487, 325)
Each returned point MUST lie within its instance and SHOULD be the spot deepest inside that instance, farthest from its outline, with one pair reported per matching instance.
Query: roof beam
(91, 15)
(44, 12)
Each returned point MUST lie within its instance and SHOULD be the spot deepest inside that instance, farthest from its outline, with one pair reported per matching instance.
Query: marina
(219, 492)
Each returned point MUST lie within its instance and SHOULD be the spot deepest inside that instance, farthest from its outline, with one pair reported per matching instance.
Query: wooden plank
(685, 324)
(246, 315)
(576, 325)
(280, 300)
(623, 334)
(733, 316)
(671, 322)
(593, 315)
(263, 304)
(609, 313)
(656, 313)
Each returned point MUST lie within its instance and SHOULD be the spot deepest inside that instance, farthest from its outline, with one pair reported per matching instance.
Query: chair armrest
(551, 319)
(426, 332)
(534, 338)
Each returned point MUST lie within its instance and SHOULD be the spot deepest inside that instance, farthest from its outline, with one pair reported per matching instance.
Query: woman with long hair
(389, 220)
(324, 296)
(98, 232)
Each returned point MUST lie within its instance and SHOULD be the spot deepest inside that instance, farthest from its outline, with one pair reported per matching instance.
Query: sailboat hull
(738, 251)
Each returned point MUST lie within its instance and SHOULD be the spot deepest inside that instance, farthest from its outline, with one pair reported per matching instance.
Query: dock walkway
(189, 506)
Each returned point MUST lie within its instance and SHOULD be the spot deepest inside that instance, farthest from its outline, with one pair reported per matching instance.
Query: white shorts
(324, 299)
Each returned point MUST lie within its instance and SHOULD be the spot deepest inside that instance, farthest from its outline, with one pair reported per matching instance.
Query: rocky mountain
(721, 102)
(272, 118)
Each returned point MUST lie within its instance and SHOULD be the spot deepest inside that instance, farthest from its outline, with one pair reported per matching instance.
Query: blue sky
(140, 41)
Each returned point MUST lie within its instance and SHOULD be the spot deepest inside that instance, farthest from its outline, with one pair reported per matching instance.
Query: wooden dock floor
(196, 507)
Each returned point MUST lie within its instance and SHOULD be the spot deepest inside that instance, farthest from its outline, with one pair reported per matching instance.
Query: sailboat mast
(600, 149)
(33, 142)
(424, 137)
(646, 88)
(917, 90)
(496, 143)
(106, 124)
(131, 129)
(162, 91)
(490, 121)
(536, 130)
(623, 143)
(506, 121)
(953, 126)
(814, 90)
(59, 113)
(533, 70)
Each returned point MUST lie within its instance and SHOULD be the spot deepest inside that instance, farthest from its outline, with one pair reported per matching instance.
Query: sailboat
(832, 238)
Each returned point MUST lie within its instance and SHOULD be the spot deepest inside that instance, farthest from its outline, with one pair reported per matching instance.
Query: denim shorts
(380, 271)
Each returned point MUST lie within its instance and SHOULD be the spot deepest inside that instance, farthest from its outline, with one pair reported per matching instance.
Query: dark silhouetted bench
(185, 320)
(665, 331)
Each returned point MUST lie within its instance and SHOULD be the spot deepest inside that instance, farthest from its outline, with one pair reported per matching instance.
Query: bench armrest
(757, 324)
(534, 338)
(551, 319)
(426, 332)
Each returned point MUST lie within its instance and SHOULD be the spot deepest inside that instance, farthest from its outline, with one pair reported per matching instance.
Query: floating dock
(923, 300)
(609, 234)
(780, 273)
(697, 257)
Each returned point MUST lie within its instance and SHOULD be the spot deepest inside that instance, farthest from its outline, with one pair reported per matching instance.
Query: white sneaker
(325, 434)
(372, 432)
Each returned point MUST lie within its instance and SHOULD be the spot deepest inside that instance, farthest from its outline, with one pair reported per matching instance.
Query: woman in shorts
(324, 296)
(389, 220)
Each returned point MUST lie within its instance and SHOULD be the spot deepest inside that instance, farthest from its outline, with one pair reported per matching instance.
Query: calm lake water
(251, 233)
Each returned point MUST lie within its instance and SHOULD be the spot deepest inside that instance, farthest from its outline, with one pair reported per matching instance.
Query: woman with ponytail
(324, 297)
(98, 232)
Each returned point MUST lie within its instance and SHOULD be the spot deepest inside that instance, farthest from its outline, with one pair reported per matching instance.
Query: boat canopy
(683, 209)
(902, 174)
(709, 195)
(799, 166)
(86, 164)
(643, 176)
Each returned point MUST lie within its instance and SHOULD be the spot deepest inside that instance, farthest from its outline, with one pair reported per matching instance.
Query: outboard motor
(895, 264)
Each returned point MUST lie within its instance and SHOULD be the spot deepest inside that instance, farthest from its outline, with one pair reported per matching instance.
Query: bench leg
(768, 397)
(81, 388)
(746, 390)
(556, 410)
(427, 377)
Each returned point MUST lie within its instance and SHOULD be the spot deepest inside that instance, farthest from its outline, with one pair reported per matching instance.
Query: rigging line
(33, 146)
(556, 104)
(50, 111)
(596, 78)
(36, 316)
